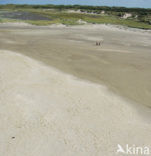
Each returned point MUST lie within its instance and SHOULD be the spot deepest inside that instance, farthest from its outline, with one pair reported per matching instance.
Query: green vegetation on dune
(70, 15)
(5, 20)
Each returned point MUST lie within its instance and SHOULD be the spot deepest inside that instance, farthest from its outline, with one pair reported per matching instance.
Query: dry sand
(44, 110)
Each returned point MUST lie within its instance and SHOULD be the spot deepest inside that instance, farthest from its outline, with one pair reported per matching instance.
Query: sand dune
(46, 112)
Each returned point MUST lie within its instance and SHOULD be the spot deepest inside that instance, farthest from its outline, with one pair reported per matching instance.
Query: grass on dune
(72, 18)
(5, 20)
(64, 17)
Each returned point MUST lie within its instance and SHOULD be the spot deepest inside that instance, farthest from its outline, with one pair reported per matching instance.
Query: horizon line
(76, 5)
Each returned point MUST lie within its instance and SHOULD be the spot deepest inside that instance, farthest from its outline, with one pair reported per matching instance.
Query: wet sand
(122, 62)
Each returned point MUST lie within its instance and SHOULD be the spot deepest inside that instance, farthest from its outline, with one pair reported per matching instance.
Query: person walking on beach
(98, 43)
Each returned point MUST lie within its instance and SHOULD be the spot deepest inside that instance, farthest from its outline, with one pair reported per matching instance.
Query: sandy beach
(60, 94)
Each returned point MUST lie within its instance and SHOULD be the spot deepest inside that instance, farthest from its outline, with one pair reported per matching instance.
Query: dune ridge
(44, 111)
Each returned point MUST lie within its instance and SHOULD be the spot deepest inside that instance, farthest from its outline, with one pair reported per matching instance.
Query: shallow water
(19, 15)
